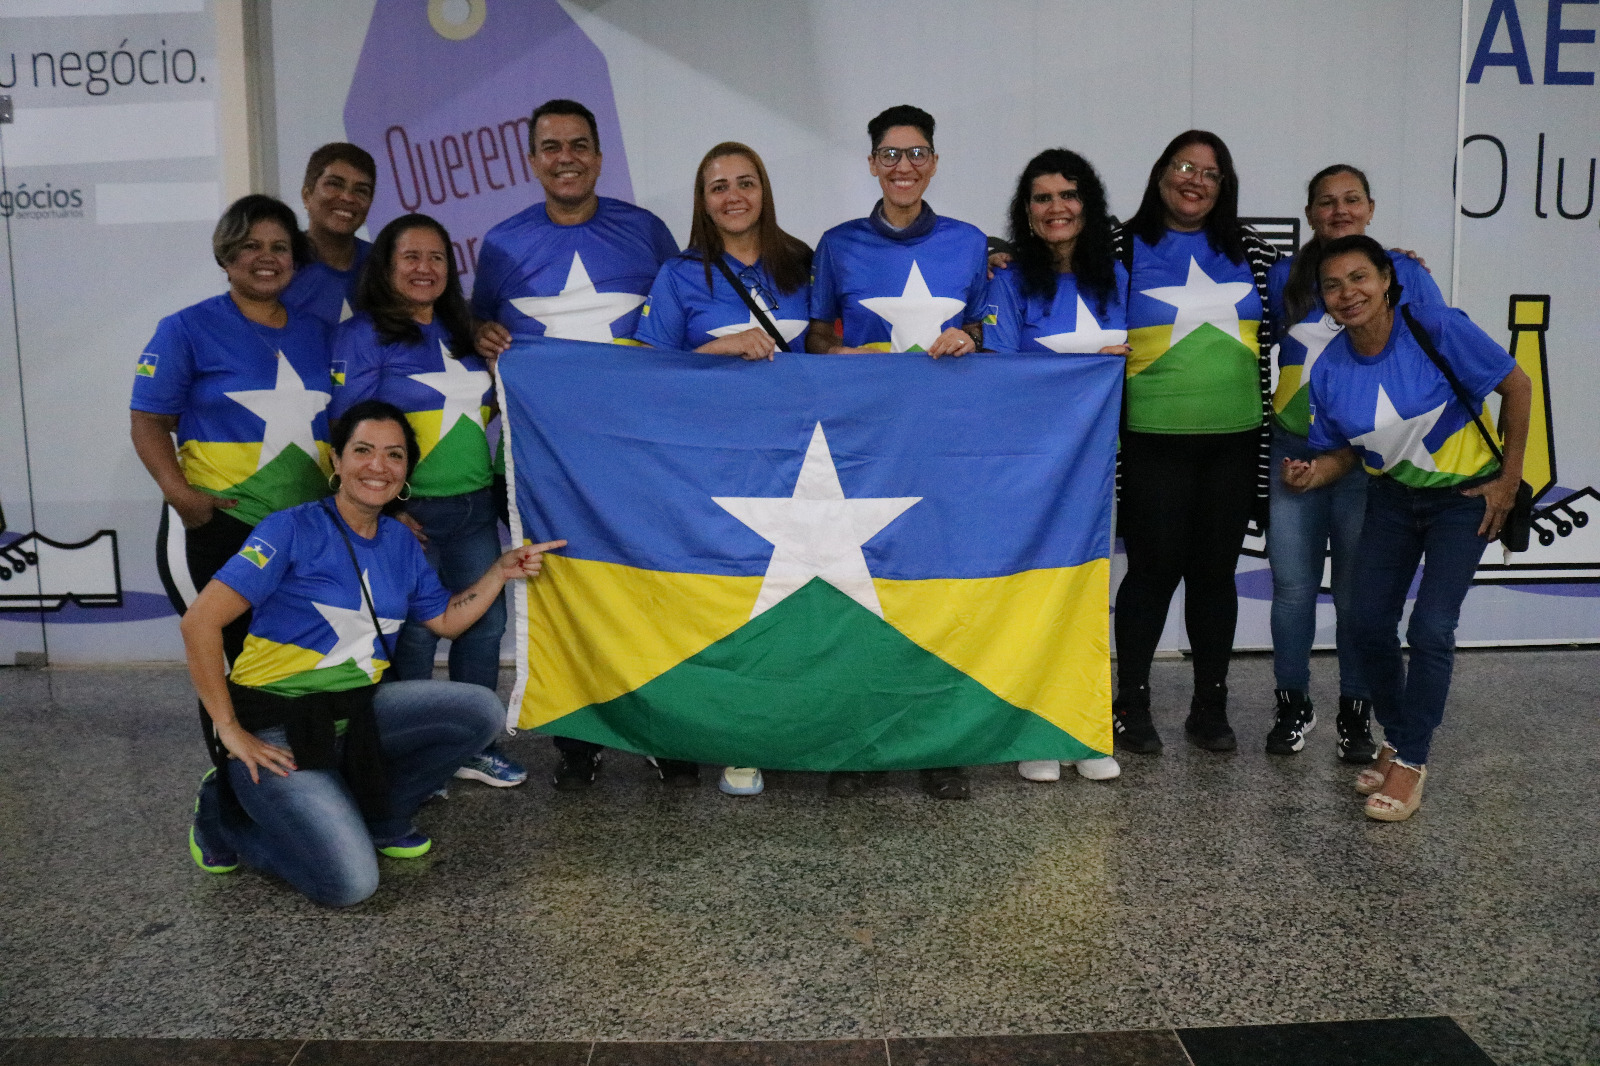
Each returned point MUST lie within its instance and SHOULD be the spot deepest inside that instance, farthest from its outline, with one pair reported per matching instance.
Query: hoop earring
(405, 492)
(333, 482)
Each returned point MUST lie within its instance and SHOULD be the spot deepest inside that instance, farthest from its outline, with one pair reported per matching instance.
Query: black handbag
(1519, 522)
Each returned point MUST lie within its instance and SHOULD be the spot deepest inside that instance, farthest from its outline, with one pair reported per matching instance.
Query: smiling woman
(315, 766)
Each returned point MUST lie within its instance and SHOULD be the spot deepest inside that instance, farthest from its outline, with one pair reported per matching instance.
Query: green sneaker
(213, 859)
(413, 845)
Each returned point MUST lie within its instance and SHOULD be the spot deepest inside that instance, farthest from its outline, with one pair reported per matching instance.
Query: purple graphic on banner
(441, 98)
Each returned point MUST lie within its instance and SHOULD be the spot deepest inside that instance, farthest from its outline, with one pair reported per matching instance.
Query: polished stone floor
(1197, 892)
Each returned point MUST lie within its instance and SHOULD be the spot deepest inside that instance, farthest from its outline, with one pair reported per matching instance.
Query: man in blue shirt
(577, 266)
(903, 279)
(337, 193)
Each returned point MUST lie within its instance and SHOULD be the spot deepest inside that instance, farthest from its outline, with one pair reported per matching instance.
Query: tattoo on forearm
(463, 599)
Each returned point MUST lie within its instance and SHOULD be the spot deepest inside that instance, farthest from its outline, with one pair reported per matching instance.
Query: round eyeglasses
(918, 156)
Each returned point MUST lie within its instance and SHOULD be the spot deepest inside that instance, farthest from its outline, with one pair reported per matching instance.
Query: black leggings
(206, 549)
(1186, 499)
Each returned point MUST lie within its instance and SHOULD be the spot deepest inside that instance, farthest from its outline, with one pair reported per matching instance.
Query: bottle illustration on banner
(40, 574)
(441, 97)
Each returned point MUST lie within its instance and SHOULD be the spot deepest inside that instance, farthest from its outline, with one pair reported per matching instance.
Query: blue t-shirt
(250, 401)
(1302, 344)
(584, 282)
(1398, 410)
(682, 313)
(319, 289)
(898, 295)
(447, 400)
(1194, 317)
(1067, 323)
(310, 630)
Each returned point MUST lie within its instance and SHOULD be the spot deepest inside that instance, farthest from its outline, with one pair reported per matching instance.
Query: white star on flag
(1086, 335)
(1200, 300)
(916, 317)
(461, 388)
(578, 312)
(1397, 438)
(790, 328)
(354, 638)
(816, 532)
(288, 409)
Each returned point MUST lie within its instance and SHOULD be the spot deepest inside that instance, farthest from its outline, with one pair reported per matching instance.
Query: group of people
(318, 431)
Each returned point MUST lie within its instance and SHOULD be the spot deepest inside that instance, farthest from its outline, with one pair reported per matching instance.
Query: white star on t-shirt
(1086, 335)
(1200, 300)
(1316, 336)
(790, 328)
(916, 317)
(1397, 438)
(461, 388)
(288, 409)
(578, 312)
(344, 311)
(354, 638)
(816, 532)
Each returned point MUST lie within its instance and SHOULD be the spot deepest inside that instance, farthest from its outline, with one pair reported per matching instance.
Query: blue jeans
(462, 544)
(1303, 524)
(306, 827)
(1405, 526)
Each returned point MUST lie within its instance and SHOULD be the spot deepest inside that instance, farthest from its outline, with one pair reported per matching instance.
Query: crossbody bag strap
(1450, 375)
(755, 308)
(366, 594)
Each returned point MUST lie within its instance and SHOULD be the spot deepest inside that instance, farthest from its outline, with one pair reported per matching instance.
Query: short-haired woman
(243, 382)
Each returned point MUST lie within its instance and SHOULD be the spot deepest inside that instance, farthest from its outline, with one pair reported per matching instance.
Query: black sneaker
(575, 772)
(1295, 720)
(1207, 724)
(946, 783)
(1130, 721)
(676, 773)
(1354, 726)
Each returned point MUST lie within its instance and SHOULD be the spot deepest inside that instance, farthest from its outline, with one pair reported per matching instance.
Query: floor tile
(440, 1053)
(742, 1053)
(91, 1052)
(1379, 1042)
(1131, 1048)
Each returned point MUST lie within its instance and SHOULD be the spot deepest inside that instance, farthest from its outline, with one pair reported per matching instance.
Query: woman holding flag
(316, 766)
(741, 288)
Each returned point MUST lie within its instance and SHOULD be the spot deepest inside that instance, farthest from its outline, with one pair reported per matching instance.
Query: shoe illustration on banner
(441, 97)
(40, 574)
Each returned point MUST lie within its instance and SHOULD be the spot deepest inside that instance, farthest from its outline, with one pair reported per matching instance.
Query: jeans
(462, 544)
(306, 827)
(1405, 526)
(1186, 500)
(1302, 526)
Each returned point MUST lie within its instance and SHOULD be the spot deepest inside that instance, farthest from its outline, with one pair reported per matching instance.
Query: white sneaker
(1040, 769)
(741, 781)
(1103, 768)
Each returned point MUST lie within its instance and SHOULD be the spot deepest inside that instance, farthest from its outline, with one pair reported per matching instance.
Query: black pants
(1186, 499)
(206, 549)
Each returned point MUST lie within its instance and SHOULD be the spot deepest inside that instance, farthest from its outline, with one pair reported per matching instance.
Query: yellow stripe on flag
(263, 662)
(609, 628)
(1039, 639)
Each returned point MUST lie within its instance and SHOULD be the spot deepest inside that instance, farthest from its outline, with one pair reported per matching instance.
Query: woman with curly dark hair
(1194, 447)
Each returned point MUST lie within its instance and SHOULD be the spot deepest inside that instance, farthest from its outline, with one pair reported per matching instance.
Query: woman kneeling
(347, 761)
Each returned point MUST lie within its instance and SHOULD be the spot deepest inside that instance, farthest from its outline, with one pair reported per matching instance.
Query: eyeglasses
(890, 157)
(755, 281)
(1066, 196)
(1187, 169)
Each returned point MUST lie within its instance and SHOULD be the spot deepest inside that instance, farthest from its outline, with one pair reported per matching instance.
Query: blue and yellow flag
(817, 563)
